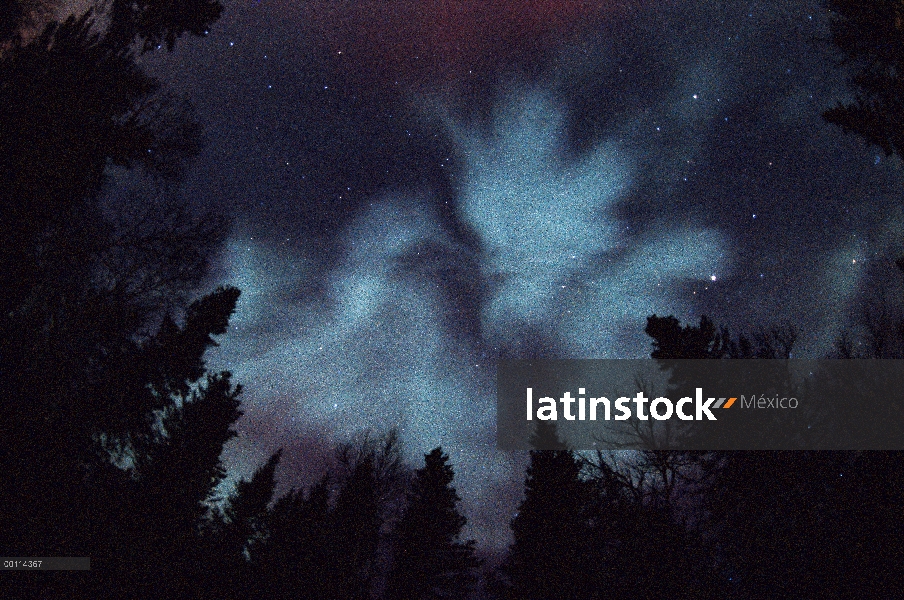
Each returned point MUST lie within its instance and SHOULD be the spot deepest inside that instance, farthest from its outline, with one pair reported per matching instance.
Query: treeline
(671, 524)
(112, 427)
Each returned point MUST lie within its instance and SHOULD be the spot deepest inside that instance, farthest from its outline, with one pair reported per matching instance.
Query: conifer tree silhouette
(430, 561)
(355, 531)
(108, 408)
(551, 557)
(244, 530)
(331, 542)
(294, 560)
(178, 472)
(870, 35)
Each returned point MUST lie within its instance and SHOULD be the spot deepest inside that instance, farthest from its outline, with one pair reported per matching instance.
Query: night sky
(420, 187)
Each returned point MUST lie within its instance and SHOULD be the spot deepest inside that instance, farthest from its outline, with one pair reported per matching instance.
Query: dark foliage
(589, 529)
(294, 560)
(112, 427)
(870, 35)
(551, 557)
(430, 562)
(792, 523)
(156, 22)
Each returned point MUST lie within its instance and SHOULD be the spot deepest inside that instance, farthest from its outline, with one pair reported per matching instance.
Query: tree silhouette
(356, 524)
(726, 481)
(133, 501)
(76, 102)
(545, 436)
(866, 527)
(778, 523)
(867, 488)
(76, 105)
(295, 557)
(551, 557)
(671, 340)
(645, 543)
(178, 472)
(155, 22)
(74, 293)
(243, 530)
(786, 524)
(868, 495)
(682, 352)
(355, 530)
(107, 399)
(430, 562)
(870, 35)
(19, 15)
(12, 13)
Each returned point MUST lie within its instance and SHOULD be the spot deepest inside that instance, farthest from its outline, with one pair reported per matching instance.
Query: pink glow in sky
(428, 41)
